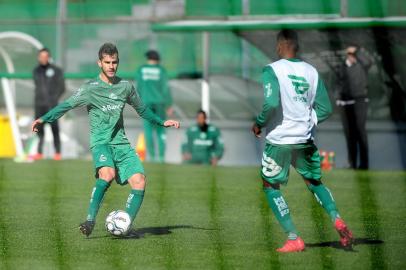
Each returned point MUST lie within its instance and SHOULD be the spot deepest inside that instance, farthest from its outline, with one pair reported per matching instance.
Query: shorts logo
(102, 158)
(269, 167)
(282, 206)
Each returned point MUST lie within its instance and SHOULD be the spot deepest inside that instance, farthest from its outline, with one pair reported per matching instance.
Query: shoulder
(213, 129)
(56, 68)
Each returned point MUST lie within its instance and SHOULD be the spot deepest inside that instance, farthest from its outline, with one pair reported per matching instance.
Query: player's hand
(256, 130)
(172, 123)
(35, 124)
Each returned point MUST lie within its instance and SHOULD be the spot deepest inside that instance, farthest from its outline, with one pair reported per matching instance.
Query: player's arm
(218, 148)
(271, 99)
(145, 112)
(76, 100)
(322, 104)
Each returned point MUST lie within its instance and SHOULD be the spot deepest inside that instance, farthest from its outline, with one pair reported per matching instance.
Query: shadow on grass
(336, 244)
(164, 230)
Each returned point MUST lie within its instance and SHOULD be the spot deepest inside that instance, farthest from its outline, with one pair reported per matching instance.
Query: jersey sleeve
(144, 111)
(271, 95)
(80, 98)
(218, 146)
(322, 104)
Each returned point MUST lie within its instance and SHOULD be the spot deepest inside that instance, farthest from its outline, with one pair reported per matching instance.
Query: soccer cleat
(57, 156)
(87, 227)
(346, 238)
(296, 245)
(37, 156)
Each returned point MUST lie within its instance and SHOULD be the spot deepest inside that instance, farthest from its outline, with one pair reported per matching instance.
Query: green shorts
(122, 158)
(277, 159)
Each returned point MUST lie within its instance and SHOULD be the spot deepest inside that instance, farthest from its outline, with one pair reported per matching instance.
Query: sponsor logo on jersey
(201, 142)
(109, 107)
(102, 158)
(268, 89)
(300, 84)
(151, 73)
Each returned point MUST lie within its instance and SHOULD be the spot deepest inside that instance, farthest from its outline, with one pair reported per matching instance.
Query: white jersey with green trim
(298, 83)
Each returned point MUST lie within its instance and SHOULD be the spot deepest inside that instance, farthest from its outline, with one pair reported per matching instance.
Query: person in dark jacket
(49, 87)
(353, 103)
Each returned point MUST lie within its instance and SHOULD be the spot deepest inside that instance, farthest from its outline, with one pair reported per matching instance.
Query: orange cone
(140, 148)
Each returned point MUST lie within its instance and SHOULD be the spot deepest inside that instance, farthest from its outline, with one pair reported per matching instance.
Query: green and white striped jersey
(295, 100)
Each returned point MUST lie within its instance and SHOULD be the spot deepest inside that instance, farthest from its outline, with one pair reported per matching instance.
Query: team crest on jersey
(50, 72)
(113, 96)
(300, 84)
(102, 158)
(203, 135)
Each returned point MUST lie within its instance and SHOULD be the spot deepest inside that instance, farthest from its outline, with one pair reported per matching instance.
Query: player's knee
(107, 174)
(137, 181)
(266, 184)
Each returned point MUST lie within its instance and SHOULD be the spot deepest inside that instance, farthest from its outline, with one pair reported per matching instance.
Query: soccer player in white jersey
(295, 102)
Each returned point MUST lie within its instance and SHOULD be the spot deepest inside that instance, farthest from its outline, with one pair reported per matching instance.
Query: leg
(347, 118)
(57, 140)
(39, 111)
(149, 139)
(105, 176)
(161, 143)
(361, 109)
(134, 201)
(275, 170)
(307, 163)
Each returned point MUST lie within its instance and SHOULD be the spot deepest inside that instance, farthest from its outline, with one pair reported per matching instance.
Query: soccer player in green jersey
(113, 156)
(295, 101)
(152, 85)
(203, 143)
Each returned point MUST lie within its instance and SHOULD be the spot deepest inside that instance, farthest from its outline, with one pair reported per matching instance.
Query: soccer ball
(118, 223)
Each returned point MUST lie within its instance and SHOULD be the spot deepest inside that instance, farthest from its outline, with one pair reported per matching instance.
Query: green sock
(134, 202)
(96, 198)
(281, 210)
(325, 198)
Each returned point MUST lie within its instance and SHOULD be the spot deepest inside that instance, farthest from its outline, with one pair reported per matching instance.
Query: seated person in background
(203, 143)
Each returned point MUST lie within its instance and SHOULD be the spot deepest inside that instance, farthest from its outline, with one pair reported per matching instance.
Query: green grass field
(195, 218)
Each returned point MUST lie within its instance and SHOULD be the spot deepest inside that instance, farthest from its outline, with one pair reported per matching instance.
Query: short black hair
(109, 49)
(202, 112)
(152, 55)
(44, 50)
(290, 36)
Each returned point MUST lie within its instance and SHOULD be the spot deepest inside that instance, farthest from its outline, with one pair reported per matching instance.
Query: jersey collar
(294, 59)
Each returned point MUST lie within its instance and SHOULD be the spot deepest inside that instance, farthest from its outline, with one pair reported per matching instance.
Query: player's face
(43, 58)
(108, 65)
(201, 119)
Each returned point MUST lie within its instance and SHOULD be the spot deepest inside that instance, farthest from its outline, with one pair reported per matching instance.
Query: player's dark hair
(152, 55)
(109, 49)
(202, 112)
(44, 50)
(289, 36)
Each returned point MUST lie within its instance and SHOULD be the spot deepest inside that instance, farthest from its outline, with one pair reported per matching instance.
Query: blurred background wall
(75, 29)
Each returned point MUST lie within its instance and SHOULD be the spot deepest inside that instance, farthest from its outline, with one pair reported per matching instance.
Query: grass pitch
(195, 218)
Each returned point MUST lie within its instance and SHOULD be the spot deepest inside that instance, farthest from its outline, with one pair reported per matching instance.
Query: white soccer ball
(118, 223)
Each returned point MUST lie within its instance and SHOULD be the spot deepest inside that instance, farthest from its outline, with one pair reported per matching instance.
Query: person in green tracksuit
(152, 85)
(203, 143)
(113, 156)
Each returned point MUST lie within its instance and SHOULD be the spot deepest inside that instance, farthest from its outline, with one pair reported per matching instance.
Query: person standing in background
(49, 87)
(203, 143)
(353, 103)
(152, 86)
